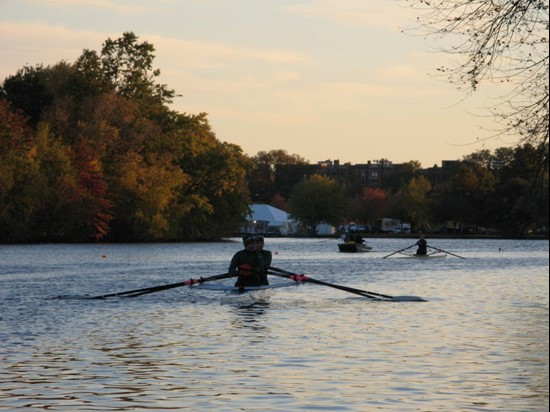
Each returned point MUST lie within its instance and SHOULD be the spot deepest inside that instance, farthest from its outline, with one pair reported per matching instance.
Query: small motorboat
(354, 247)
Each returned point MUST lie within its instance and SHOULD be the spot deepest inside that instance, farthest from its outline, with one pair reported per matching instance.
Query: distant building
(442, 174)
(373, 174)
(268, 220)
(357, 177)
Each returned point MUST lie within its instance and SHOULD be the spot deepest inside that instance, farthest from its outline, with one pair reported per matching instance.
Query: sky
(323, 79)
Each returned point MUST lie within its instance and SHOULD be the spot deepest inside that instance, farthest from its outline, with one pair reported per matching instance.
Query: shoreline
(273, 236)
(415, 236)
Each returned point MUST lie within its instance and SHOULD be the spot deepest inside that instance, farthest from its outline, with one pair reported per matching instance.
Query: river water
(480, 343)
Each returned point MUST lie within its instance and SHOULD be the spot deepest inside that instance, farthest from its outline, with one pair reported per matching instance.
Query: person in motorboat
(353, 238)
(252, 263)
(358, 239)
(422, 246)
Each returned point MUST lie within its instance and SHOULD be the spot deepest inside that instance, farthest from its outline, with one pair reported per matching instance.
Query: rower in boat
(251, 264)
(422, 246)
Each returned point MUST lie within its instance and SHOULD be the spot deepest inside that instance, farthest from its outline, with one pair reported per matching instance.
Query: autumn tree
(279, 202)
(317, 200)
(369, 206)
(95, 153)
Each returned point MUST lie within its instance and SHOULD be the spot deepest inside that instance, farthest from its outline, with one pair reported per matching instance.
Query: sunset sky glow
(324, 79)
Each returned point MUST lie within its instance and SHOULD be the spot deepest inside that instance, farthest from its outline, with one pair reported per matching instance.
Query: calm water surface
(479, 344)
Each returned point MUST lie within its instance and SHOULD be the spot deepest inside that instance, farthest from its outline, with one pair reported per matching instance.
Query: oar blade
(360, 292)
(449, 253)
(406, 298)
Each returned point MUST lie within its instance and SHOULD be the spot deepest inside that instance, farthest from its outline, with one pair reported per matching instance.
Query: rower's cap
(248, 239)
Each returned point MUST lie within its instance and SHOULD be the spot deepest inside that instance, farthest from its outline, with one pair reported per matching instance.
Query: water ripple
(479, 344)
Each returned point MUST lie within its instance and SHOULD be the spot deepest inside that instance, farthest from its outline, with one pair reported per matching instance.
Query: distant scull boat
(422, 257)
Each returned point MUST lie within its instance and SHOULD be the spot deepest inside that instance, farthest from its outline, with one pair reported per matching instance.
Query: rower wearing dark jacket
(251, 263)
(422, 246)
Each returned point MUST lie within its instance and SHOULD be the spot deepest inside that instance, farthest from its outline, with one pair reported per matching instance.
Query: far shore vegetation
(90, 151)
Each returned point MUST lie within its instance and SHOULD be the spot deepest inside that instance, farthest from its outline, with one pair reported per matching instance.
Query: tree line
(504, 191)
(91, 151)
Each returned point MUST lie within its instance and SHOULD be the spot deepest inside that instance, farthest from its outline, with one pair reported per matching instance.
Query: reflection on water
(249, 316)
(479, 344)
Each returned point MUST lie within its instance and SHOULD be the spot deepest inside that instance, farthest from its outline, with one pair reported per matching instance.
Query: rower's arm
(234, 265)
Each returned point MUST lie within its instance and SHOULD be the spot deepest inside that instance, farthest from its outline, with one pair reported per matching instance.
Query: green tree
(215, 200)
(317, 200)
(51, 188)
(401, 175)
(147, 190)
(466, 198)
(451, 206)
(15, 164)
(38, 183)
(483, 158)
(412, 202)
(267, 176)
(124, 66)
(27, 91)
(524, 199)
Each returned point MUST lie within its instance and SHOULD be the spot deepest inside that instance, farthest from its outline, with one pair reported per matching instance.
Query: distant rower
(422, 246)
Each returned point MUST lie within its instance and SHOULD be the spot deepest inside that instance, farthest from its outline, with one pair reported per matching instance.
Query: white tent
(269, 219)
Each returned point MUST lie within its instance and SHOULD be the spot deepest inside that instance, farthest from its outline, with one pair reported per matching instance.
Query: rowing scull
(245, 295)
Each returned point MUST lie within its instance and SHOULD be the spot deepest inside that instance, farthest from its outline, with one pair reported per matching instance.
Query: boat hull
(247, 298)
(247, 295)
(423, 257)
(352, 247)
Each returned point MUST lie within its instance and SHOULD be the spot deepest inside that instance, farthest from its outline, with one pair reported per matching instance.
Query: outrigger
(297, 279)
(436, 254)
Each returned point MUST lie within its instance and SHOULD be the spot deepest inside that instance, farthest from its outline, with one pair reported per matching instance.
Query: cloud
(34, 42)
(201, 54)
(400, 73)
(371, 13)
(31, 36)
(350, 91)
(109, 5)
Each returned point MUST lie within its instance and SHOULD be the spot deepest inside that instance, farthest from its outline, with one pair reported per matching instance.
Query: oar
(304, 278)
(444, 251)
(365, 293)
(399, 251)
(143, 291)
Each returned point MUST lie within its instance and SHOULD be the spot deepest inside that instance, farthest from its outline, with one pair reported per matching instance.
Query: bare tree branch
(497, 41)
